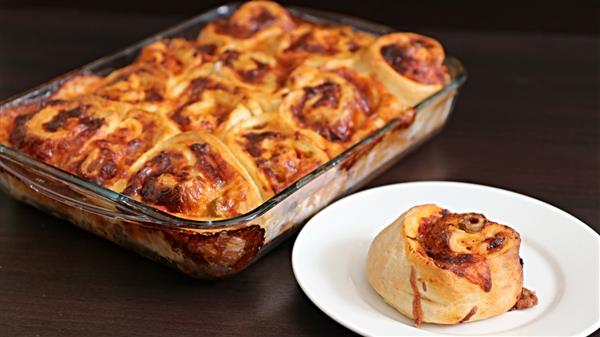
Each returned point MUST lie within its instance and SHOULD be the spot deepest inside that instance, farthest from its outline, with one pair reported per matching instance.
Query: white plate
(561, 256)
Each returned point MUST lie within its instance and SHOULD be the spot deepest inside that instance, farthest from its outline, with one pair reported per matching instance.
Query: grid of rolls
(210, 128)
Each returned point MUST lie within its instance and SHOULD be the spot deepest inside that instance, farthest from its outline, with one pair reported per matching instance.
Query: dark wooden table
(528, 120)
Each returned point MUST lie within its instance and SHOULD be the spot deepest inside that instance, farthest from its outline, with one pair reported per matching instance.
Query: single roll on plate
(411, 65)
(440, 267)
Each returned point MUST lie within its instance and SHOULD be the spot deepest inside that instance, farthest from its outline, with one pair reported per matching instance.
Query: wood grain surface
(528, 120)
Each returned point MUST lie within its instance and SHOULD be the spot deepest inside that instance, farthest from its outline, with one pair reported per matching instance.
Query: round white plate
(560, 254)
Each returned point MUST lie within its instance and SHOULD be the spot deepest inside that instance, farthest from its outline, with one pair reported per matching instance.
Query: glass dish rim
(153, 215)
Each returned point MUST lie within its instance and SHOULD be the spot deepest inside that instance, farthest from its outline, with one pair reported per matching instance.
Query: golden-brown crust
(314, 94)
(320, 40)
(255, 25)
(195, 176)
(175, 56)
(312, 82)
(274, 153)
(436, 237)
(60, 129)
(108, 158)
(8, 116)
(143, 84)
(77, 86)
(336, 105)
(252, 70)
(410, 64)
(468, 266)
(212, 104)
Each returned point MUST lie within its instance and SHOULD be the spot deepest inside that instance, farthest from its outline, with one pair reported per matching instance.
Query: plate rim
(294, 256)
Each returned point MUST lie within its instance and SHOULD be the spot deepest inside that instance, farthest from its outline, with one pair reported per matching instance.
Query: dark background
(63, 31)
(580, 17)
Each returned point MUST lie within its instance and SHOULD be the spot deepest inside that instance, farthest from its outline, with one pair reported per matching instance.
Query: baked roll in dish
(58, 131)
(251, 70)
(336, 105)
(209, 128)
(108, 157)
(77, 86)
(143, 84)
(309, 40)
(440, 267)
(274, 153)
(149, 79)
(211, 104)
(255, 25)
(195, 176)
(176, 56)
(411, 65)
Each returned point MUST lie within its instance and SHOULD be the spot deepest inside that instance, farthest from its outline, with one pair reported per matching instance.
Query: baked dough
(336, 105)
(107, 158)
(315, 84)
(141, 84)
(309, 40)
(409, 64)
(255, 25)
(59, 129)
(438, 267)
(176, 56)
(211, 104)
(194, 175)
(274, 153)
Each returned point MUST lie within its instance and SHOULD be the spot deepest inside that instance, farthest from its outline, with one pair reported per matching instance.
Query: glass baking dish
(214, 249)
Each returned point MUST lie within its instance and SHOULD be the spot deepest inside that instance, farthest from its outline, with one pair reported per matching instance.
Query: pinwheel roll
(77, 86)
(440, 267)
(254, 71)
(143, 84)
(411, 65)
(255, 25)
(211, 104)
(336, 106)
(194, 176)
(60, 129)
(9, 116)
(175, 56)
(146, 81)
(274, 153)
(320, 40)
(107, 159)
